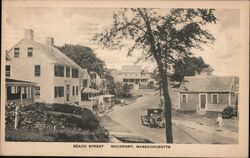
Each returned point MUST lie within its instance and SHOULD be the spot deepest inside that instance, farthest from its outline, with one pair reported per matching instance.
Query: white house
(132, 74)
(57, 76)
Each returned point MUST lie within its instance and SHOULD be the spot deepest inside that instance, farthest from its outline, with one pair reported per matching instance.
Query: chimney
(29, 34)
(50, 41)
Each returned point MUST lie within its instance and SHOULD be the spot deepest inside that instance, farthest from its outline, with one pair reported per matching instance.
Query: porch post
(6, 94)
(32, 92)
(21, 95)
(229, 99)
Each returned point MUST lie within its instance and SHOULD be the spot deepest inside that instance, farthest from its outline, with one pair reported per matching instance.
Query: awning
(13, 82)
(89, 90)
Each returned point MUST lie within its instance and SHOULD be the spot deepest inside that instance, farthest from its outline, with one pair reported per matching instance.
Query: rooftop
(207, 84)
(48, 49)
(131, 68)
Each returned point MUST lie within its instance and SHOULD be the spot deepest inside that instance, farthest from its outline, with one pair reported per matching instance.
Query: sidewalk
(195, 125)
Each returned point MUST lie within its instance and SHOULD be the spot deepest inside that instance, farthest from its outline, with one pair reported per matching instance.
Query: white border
(187, 150)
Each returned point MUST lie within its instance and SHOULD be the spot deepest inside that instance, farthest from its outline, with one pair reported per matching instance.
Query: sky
(77, 25)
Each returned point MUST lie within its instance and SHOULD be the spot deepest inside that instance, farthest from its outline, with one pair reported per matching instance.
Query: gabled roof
(207, 84)
(89, 90)
(53, 53)
(131, 68)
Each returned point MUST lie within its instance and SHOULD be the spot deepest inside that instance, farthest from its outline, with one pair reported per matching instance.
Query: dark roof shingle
(207, 84)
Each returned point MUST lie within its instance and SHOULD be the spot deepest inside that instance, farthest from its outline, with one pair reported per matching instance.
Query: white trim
(229, 98)
(200, 101)
(186, 98)
(212, 99)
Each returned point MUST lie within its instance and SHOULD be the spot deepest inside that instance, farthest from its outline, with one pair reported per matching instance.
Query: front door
(203, 101)
(67, 92)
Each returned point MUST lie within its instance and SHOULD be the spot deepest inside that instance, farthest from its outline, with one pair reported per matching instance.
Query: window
(16, 52)
(215, 98)
(73, 90)
(7, 70)
(37, 90)
(84, 83)
(13, 93)
(59, 70)
(37, 70)
(59, 91)
(75, 73)
(84, 96)
(76, 90)
(184, 98)
(30, 52)
(67, 71)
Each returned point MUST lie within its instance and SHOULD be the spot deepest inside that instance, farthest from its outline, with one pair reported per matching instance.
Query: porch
(19, 92)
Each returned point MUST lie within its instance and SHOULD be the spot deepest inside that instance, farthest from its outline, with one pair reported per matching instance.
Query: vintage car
(154, 118)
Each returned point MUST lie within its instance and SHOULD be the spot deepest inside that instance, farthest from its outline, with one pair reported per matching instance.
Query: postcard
(125, 78)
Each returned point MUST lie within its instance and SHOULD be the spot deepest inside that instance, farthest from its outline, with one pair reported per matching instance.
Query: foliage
(162, 38)
(41, 116)
(151, 84)
(86, 58)
(67, 108)
(83, 56)
(111, 85)
(229, 112)
(123, 90)
(187, 66)
(126, 90)
(56, 136)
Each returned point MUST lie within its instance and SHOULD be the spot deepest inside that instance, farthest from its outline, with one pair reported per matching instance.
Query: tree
(84, 57)
(123, 90)
(162, 38)
(126, 90)
(187, 66)
(111, 85)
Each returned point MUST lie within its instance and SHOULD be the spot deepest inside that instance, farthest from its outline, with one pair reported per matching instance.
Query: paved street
(126, 119)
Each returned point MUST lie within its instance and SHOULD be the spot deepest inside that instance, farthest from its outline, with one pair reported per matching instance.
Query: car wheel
(159, 120)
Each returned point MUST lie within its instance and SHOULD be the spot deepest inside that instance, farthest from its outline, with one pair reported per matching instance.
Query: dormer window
(16, 52)
(30, 52)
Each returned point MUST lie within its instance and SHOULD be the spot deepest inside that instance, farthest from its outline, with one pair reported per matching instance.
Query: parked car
(154, 118)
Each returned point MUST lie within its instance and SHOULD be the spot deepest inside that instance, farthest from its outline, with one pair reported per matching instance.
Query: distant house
(132, 74)
(56, 75)
(208, 93)
(96, 81)
(19, 92)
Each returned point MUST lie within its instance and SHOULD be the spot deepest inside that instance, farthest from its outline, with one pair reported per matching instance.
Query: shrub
(229, 112)
(67, 109)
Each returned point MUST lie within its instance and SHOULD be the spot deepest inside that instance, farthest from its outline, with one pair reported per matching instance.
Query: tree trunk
(161, 102)
(167, 104)
(163, 72)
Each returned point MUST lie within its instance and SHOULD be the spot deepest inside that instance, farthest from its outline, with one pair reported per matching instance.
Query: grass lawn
(208, 119)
